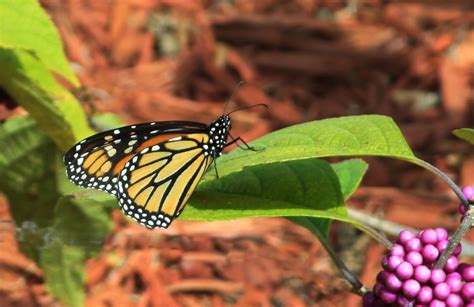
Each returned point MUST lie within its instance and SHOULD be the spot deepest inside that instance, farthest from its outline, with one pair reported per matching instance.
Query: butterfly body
(151, 168)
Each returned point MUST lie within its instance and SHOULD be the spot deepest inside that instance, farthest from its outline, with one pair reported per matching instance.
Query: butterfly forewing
(96, 161)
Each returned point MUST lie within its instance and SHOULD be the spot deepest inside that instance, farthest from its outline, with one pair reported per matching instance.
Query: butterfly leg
(235, 140)
(215, 167)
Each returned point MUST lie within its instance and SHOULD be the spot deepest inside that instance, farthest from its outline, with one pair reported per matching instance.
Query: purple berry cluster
(408, 276)
(469, 193)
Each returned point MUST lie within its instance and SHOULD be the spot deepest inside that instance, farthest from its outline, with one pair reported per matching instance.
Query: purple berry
(422, 273)
(414, 258)
(413, 245)
(468, 273)
(442, 291)
(397, 250)
(385, 261)
(441, 233)
(454, 275)
(430, 253)
(388, 296)
(441, 245)
(368, 300)
(467, 291)
(378, 288)
(425, 295)
(451, 264)
(381, 276)
(468, 192)
(462, 266)
(404, 271)
(437, 303)
(437, 276)
(405, 236)
(393, 283)
(411, 288)
(429, 236)
(457, 251)
(403, 301)
(462, 209)
(455, 284)
(454, 300)
(394, 262)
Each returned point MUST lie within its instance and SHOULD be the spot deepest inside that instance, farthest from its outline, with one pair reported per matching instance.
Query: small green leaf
(27, 171)
(63, 267)
(365, 135)
(57, 112)
(78, 233)
(81, 221)
(466, 134)
(25, 25)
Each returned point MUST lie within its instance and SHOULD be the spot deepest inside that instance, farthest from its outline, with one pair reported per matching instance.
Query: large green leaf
(56, 110)
(308, 187)
(25, 25)
(365, 135)
(350, 174)
(466, 134)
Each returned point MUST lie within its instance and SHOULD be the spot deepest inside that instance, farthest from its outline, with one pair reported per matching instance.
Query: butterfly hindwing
(157, 182)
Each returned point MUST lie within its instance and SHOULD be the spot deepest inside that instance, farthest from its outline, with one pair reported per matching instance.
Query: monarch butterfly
(151, 168)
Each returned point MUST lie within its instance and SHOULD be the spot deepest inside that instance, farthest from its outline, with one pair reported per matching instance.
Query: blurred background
(153, 60)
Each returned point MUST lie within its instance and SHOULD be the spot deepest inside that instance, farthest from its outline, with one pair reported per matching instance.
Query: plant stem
(456, 238)
(368, 224)
(448, 180)
(357, 286)
(394, 229)
(467, 221)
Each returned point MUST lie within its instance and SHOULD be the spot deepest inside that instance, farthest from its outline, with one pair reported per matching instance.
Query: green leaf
(78, 233)
(64, 272)
(25, 25)
(350, 174)
(27, 171)
(466, 134)
(365, 135)
(56, 110)
(307, 187)
(81, 221)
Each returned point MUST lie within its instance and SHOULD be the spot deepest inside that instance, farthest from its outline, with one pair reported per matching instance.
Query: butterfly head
(218, 132)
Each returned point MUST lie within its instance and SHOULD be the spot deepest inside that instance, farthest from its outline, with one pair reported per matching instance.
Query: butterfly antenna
(237, 86)
(255, 105)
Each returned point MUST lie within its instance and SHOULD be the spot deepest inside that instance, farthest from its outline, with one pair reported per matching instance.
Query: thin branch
(446, 179)
(456, 238)
(394, 229)
(357, 286)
